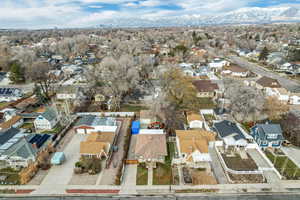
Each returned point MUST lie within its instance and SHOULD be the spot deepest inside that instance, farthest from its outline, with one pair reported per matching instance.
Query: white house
(194, 120)
(280, 93)
(294, 99)
(8, 113)
(47, 120)
(68, 92)
(92, 123)
(192, 148)
(217, 64)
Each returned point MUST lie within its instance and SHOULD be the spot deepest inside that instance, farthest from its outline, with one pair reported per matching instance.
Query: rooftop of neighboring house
(235, 68)
(151, 146)
(6, 135)
(268, 82)
(192, 140)
(268, 129)
(6, 92)
(226, 128)
(192, 116)
(205, 86)
(26, 102)
(96, 143)
(93, 120)
(49, 114)
(9, 123)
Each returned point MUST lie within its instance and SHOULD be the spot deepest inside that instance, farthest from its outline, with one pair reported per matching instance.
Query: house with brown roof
(236, 71)
(97, 144)
(151, 148)
(194, 120)
(206, 88)
(192, 146)
(266, 82)
(14, 122)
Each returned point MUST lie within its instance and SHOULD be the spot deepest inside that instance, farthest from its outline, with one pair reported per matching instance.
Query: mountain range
(252, 15)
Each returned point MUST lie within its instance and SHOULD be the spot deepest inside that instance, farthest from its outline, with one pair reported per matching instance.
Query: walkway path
(181, 180)
(150, 176)
(217, 166)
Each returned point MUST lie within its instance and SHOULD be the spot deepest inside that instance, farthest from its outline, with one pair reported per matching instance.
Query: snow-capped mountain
(252, 15)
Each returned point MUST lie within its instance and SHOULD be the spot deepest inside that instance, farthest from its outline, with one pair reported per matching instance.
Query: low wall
(108, 114)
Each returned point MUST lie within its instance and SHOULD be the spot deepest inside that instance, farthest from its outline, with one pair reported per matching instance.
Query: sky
(85, 13)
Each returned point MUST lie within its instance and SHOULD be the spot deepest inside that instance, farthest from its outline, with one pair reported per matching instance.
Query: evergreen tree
(264, 54)
(16, 73)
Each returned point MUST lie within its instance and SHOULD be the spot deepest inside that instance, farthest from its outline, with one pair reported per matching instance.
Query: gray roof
(226, 128)
(92, 120)
(266, 129)
(49, 114)
(8, 134)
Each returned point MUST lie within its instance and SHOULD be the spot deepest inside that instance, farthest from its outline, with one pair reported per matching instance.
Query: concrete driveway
(62, 174)
(293, 153)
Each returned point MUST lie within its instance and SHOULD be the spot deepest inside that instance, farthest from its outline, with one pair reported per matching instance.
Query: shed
(135, 127)
(58, 158)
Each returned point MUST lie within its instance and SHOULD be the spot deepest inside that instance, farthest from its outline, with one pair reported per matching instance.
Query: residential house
(10, 94)
(18, 149)
(267, 135)
(97, 144)
(231, 134)
(151, 147)
(217, 64)
(14, 122)
(8, 113)
(281, 94)
(194, 120)
(294, 99)
(206, 88)
(236, 71)
(192, 146)
(91, 123)
(69, 93)
(266, 82)
(47, 120)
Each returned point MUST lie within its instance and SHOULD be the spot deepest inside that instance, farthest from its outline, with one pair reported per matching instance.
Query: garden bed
(201, 177)
(246, 178)
(239, 164)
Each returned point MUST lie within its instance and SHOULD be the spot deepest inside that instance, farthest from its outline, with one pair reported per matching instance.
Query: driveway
(293, 153)
(217, 167)
(110, 173)
(62, 174)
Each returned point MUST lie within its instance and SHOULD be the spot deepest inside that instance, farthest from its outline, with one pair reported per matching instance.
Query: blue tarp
(135, 127)
(58, 158)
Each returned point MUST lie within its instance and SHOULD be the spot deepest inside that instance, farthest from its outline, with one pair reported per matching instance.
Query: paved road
(285, 82)
(210, 197)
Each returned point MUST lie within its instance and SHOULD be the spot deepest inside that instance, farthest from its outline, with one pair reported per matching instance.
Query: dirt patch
(202, 177)
(246, 178)
(239, 164)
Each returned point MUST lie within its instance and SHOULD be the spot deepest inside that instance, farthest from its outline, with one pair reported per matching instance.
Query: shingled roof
(205, 86)
(268, 82)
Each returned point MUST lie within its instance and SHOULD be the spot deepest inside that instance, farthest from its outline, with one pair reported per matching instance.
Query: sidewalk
(150, 176)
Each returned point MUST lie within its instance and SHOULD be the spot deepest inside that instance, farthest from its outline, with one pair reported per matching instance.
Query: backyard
(201, 177)
(284, 165)
(206, 103)
(132, 108)
(142, 175)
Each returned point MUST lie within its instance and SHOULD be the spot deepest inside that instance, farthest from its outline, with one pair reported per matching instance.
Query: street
(291, 85)
(270, 196)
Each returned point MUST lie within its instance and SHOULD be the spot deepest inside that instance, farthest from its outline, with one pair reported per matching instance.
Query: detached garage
(91, 123)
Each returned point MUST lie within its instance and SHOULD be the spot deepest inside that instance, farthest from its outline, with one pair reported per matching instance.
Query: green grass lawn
(13, 177)
(27, 125)
(270, 156)
(132, 108)
(279, 162)
(142, 175)
(3, 104)
(206, 103)
(57, 129)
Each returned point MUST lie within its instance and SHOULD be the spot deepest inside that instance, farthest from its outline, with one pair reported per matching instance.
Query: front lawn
(12, 176)
(132, 108)
(162, 174)
(142, 175)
